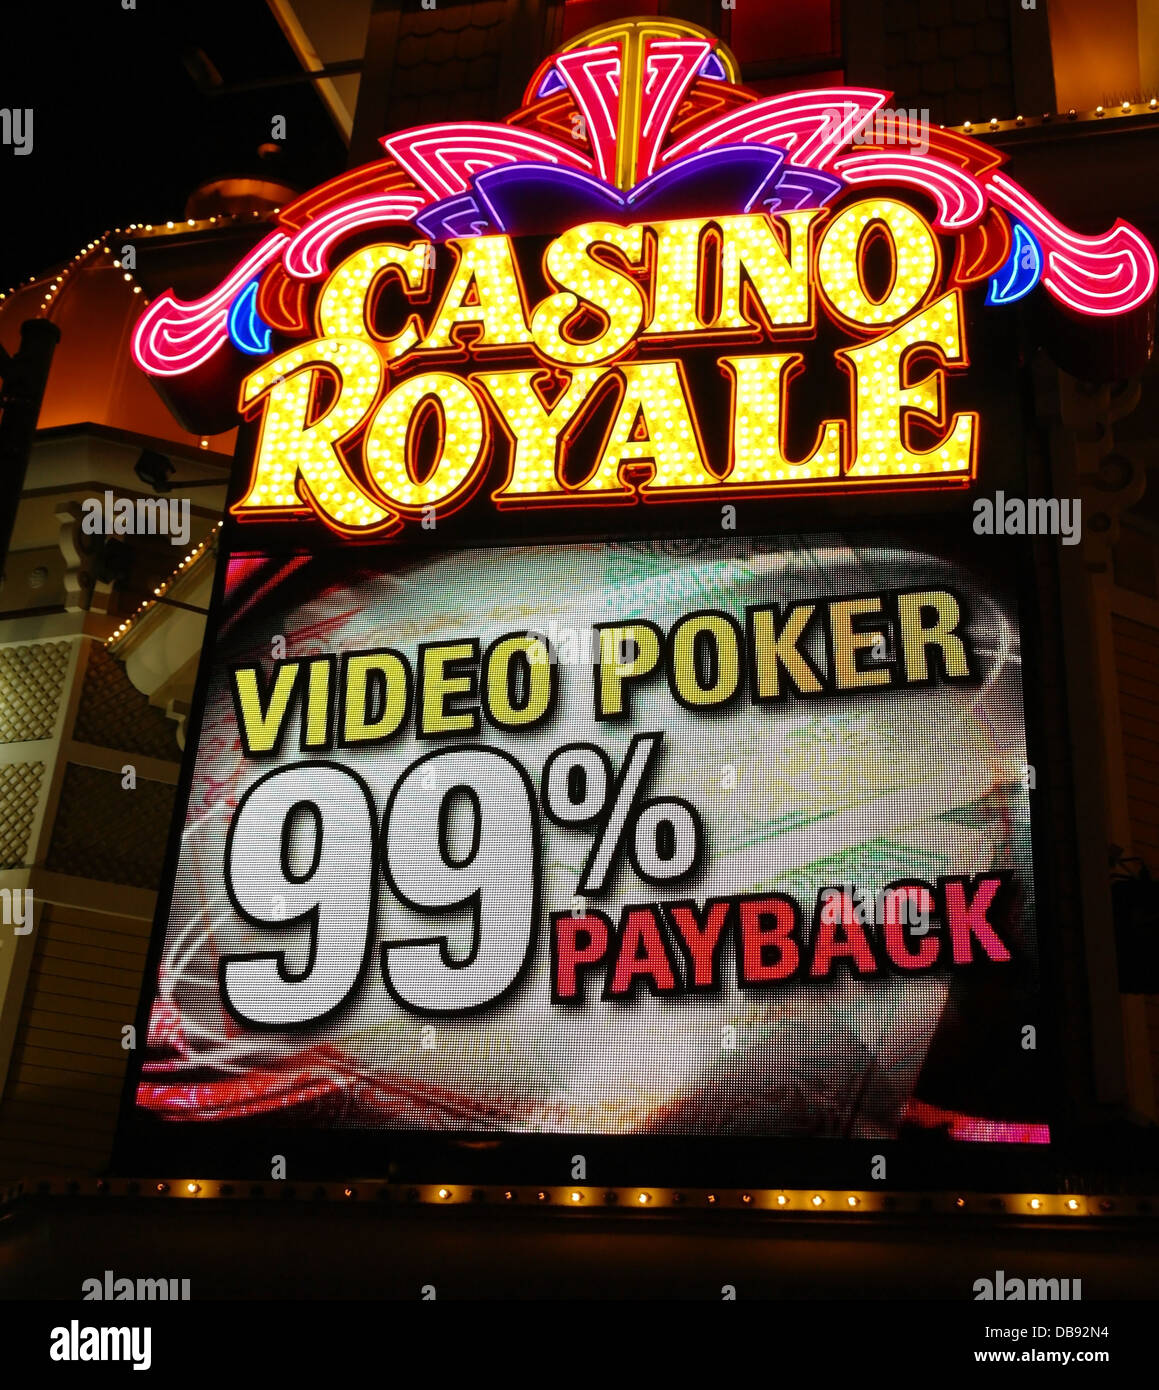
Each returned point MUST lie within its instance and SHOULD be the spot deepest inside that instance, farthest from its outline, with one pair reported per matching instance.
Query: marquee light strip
(173, 336)
(800, 1202)
(442, 159)
(202, 548)
(812, 125)
(1106, 274)
(960, 198)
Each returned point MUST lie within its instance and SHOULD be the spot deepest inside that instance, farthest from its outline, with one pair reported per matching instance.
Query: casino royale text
(432, 364)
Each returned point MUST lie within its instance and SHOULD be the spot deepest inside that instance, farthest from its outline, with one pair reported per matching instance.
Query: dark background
(121, 132)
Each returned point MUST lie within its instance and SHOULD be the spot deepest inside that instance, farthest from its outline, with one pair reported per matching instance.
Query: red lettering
(757, 938)
(576, 941)
(968, 921)
(701, 941)
(642, 952)
(840, 936)
(908, 905)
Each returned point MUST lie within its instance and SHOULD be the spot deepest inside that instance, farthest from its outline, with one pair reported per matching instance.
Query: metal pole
(25, 377)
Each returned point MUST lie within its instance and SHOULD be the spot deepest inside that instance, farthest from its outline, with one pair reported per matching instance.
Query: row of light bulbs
(1125, 108)
(195, 554)
(797, 1200)
(55, 283)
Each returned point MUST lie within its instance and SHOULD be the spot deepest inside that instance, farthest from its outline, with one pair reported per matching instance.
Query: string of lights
(54, 281)
(203, 548)
(805, 1202)
(1097, 113)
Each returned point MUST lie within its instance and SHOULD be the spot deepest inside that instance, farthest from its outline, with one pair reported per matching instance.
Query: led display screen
(718, 836)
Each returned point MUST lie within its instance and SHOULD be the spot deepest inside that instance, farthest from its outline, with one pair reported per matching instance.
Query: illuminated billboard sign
(649, 837)
(532, 830)
(517, 306)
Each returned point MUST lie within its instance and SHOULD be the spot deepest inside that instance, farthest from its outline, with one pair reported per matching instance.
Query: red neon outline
(982, 249)
(583, 70)
(173, 336)
(800, 122)
(685, 57)
(960, 198)
(706, 101)
(380, 177)
(283, 303)
(1079, 269)
(540, 116)
(442, 158)
(307, 255)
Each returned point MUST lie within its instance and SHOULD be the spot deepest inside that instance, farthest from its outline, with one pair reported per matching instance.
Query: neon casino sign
(489, 293)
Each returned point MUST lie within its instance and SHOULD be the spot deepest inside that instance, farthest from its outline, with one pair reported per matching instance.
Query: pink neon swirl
(436, 156)
(812, 126)
(173, 337)
(306, 257)
(960, 197)
(1107, 274)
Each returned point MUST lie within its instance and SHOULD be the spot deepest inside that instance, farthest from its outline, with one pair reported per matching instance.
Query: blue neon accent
(247, 330)
(1022, 270)
(712, 67)
(552, 82)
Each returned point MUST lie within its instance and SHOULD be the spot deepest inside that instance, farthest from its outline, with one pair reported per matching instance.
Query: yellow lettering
(653, 425)
(847, 643)
(775, 647)
(296, 449)
(536, 432)
(588, 283)
(343, 310)
(438, 683)
(391, 439)
(380, 676)
(840, 262)
(484, 290)
(532, 656)
(261, 721)
(717, 634)
(760, 386)
(883, 407)
(628, 652)
(779, 282)
(916, 638)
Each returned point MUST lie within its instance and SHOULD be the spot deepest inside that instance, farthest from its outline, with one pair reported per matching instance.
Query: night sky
(120, 131)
